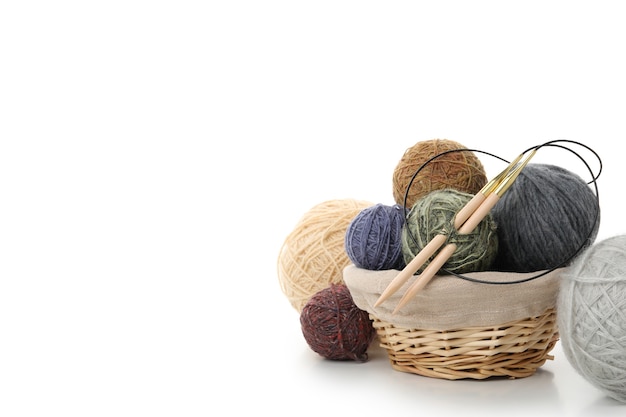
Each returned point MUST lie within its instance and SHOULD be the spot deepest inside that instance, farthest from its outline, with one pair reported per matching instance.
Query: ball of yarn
(544, 218)
(334, 327)
(462, 171)
(313, 255)
(434, 214)
(373, 239)
(591, 315)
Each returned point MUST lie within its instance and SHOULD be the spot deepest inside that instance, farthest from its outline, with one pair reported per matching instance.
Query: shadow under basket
(441, 344)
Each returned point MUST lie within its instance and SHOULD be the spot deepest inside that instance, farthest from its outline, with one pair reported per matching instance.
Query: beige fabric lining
(449, 303)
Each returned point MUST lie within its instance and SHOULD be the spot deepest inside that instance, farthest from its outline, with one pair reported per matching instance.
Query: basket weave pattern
(514, 350)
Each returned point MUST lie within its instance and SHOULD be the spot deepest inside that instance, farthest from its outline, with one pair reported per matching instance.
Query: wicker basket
(436, 342)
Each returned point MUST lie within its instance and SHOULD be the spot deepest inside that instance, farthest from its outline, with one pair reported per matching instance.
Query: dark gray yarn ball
(545, 219)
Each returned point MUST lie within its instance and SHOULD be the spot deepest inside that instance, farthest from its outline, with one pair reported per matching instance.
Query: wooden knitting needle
(493, 196)
(432, 246)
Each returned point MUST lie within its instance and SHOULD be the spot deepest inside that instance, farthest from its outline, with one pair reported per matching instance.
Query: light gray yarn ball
(591, 315)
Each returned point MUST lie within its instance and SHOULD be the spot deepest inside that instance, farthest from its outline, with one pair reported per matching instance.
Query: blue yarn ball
(546, 218)
(374, 238)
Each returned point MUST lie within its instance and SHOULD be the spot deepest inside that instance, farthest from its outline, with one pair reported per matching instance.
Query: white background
(154, 155)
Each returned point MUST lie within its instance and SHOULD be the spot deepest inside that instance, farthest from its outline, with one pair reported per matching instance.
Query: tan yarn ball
(462, 171)
(313, 255)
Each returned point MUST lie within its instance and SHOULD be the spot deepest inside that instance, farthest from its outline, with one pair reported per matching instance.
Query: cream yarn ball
(313, 255)
(591, 313)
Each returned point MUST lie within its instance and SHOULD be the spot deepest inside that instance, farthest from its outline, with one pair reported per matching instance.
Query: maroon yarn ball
(334, 327)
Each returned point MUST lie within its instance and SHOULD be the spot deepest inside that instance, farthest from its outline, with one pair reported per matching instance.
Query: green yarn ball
(433, 214)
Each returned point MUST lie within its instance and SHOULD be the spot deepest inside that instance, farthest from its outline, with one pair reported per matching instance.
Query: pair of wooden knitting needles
(465, 221)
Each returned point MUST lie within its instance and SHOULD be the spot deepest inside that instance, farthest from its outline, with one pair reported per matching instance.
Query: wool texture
(434, 214)
(373, 239)
(547, 216)
(313, 255)
(334, 327)
(461, 170)
(592, 315)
